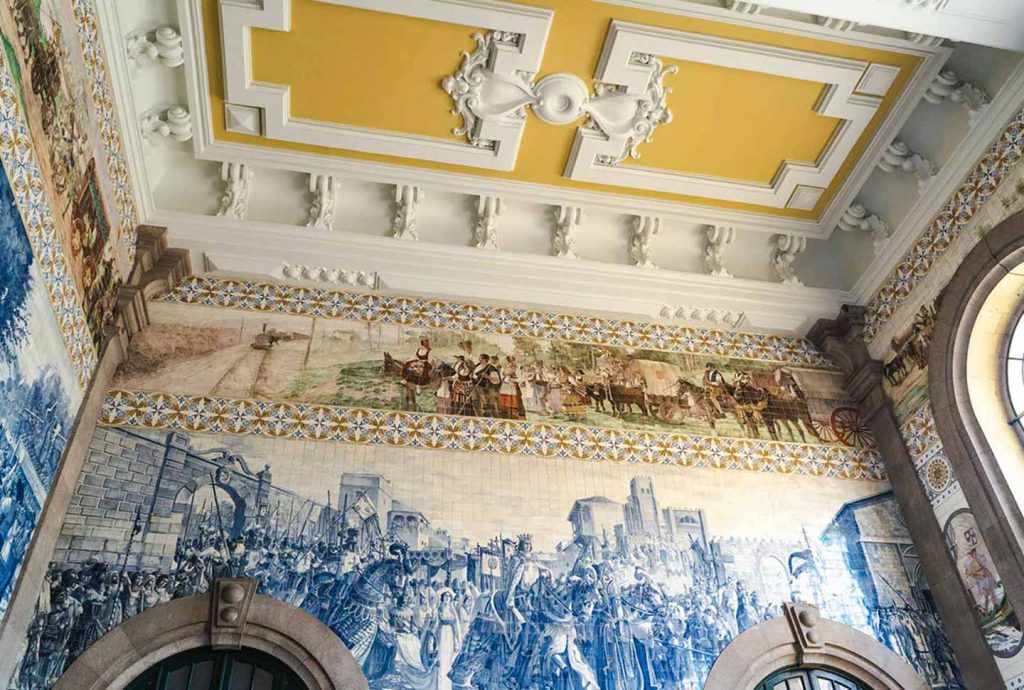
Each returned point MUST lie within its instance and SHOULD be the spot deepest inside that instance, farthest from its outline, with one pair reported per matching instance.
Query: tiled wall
(66, 240)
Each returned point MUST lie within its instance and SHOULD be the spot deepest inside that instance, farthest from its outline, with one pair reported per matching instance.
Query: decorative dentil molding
(407, 203)
(708, 315)
(898, 158)
(784, 255)
(237, 177)
(485, 232)
(325, 195)
(835, 24)
(162, 45)
(856, 218)
(563, 239)
(927, 4)
(947, 86)
(716, 238)
(742, 6)
(925, 40)
(171, 123)
(644, 230)
(481, 96)
(336, 276)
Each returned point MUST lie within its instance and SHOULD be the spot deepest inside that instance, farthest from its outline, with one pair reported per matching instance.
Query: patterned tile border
(428, 313)
(26, 180)
(443, 432)
(947, 226)
(929, 457)
(109, 131)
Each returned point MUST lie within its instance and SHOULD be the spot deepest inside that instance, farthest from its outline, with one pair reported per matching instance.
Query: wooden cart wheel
(850, 429)
(823, 431)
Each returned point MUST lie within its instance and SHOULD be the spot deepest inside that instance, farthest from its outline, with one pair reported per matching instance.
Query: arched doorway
(219, 669)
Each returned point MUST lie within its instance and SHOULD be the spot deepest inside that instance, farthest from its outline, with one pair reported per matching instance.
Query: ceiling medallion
(482, 96)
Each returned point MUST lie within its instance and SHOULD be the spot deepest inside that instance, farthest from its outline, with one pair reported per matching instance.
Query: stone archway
(231, 616)
(802, 638)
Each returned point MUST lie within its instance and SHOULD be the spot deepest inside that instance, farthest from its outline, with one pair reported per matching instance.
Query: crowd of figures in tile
(35, 406)
(637, 595)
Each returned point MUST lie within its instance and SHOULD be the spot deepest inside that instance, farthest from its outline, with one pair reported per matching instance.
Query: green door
(210, 669)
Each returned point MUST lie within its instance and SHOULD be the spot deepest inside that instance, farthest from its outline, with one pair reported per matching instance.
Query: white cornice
(394, 173)
(247, 247)
(989, 125)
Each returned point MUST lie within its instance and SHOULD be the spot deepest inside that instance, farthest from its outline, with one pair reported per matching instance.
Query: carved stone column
(841, 339)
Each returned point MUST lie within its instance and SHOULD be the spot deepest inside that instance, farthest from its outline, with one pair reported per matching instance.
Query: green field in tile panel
(199, 350)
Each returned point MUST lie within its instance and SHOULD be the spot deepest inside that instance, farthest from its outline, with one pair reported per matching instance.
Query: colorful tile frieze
(107, 123)
(26, 180)
(947, 226)
(155, 410)
(429, 313)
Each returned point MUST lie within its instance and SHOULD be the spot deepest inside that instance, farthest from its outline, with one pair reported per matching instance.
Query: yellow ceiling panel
(383, 71)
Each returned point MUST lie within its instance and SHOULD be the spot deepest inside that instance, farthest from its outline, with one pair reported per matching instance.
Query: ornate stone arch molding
(802, 638)
(232, 616)
(966, 381)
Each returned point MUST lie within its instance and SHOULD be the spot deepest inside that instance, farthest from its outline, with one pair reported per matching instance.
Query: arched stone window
(809, 679)
(218, 669)
(976, 389)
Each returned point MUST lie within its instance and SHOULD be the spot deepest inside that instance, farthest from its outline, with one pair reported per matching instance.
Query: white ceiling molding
(592, 149)
(407, 203)
(161, 46)
(237, 179)
(323, 274)
(716, 237)
(485, 231)
(325, 194)
(995, 23)
(257, 248)
(784, 255)
(206, 148)
(644, 230)
(703, 315)
(563, 238)
(525, 27)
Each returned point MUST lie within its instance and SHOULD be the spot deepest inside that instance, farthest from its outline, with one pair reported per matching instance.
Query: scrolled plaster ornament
(162, 45)
(480, 96)
(325, 194)
(485, 232)
(947, 86)
(898, 158)
(858, 219)
(407, 201)
(644, 230)
(716, 238)
(173, 123)
(563, 241)
(237, 186)
(836, 24)
(784, 255)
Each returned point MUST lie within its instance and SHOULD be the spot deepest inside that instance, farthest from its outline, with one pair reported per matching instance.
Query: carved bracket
(859, 219)
(237, 186)
(784, 255)
(948, 86)
(485, 232)
(898, 158)
(644, 230)
(325, 194)
(173, 123)
(563, 241)
(407, 203)
(716, 239)
(161, 45)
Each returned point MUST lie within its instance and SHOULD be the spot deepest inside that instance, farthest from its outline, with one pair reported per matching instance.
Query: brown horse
(412, 379)
(789, 410)
(623, 398)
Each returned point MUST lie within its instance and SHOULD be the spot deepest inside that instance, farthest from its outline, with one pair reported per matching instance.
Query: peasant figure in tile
(510, 394)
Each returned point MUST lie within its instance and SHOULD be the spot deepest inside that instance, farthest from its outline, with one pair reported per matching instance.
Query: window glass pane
(1015, 385)
(241, 676)
(202, 676)
(1017, 340)
(826, 684)
(262, 680)
(178, 679)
